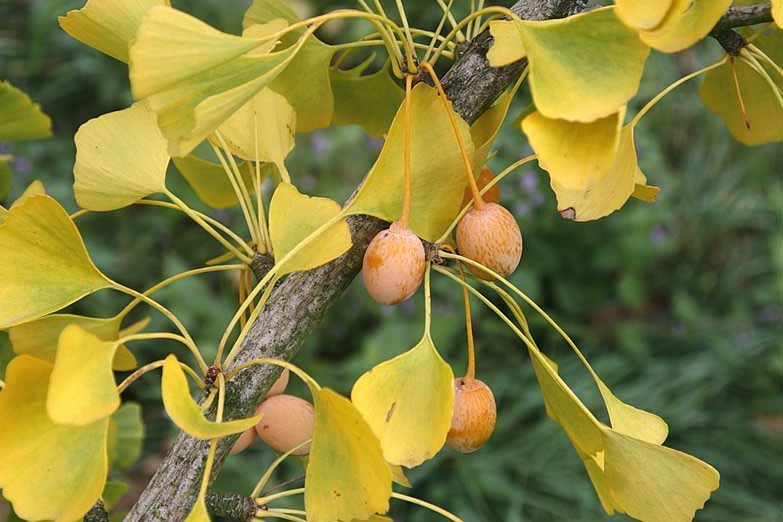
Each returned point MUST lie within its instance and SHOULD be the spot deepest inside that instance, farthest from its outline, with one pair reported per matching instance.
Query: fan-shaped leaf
(687, 22)
(210, 182)
(642, 14)
(20, 118)
(507, 47)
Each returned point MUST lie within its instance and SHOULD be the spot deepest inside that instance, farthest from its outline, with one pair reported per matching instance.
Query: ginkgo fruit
(490, 236)
(286, 422)
(393, 265)
(280, 384)
(492, 195)
(475, 413)
(244, 441)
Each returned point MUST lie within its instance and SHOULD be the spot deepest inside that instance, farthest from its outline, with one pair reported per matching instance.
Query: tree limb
(744, 15)
(296, 306)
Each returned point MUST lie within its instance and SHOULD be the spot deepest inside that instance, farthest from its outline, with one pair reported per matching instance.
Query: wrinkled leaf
(109, 26)
(126, 436)
(438, 176)
(408, 402)
(293, 217)
(347, 477)
(20, 118)
(44, 265)
(66, 464)
(687, 22)
(210, 182)
(186, 413)
(121, 157)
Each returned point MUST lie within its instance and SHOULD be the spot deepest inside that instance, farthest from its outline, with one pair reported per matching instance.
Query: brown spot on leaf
(568, 213)
(391, 411)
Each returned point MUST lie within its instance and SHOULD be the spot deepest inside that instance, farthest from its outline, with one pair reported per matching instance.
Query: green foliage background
(679, 305)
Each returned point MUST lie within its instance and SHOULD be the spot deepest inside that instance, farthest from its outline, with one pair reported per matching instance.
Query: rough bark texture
(742, 15)
(297, 305)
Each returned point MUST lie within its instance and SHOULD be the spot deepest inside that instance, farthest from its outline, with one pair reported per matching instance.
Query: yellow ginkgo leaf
(347, 477)
(607, 194)
(437, 180)
(186, 413)
(777, 12)
(764, 112)
(66, 464)
(82, 389)
(262, 11)
(631, 420)
(293, 217)
(210, 182)
(109, 26)
(44, 265)
(20, 118)
(485, 129)
(399, 477)
(263, 129)
(507, 47)
(583, 67)
(194, 77)
(124, 360)
(576, 155)
(34, 188)
(121, 157)
(687, 22)
(408, 402)
(199, 512)
(642, 14)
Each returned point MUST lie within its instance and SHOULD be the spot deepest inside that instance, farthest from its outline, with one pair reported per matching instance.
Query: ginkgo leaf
(369, 100)
(437, 180)
(408, 403)
(121, 157)
(82, 389)
(124, 360)
(485, 129)
(687, 22)
(109, 26)
(34, 188)
(606, 194)
(126, 436)
(398, 476)
(583, 67)
(186, 413)
(263, 129)
(194, 77)
(210, 182)
(507, 47)
(66, 464)
(5, 181)
(44, 265)
(576, 155)
(199, 512)
(764, 112)
(642, 14)
(262, 11)
(777, 12)
(293, 217)
(20, 118)
(347, 477)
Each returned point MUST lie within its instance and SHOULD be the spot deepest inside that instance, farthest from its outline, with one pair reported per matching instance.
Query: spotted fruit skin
(244, 441)
(491, 196)
(280, 384)
(490, 236)
(286, 422)
(393, 265)
(475, 413)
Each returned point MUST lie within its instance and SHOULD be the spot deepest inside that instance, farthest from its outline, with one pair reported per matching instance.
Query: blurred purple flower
(320, 144)
(659, 235)
(375, 144)
(529, 181)
(22, 166)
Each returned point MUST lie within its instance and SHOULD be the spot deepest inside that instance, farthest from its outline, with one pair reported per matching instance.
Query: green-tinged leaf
(20, 118)
(186, 413)
(194, 77)
(369, 100)
(5, 178)
(687, 22)
(44, 265)
(126, 436)
(764, 112)
(583, 67)
(438, 175)
(262, 11)
(607, 194)
(642, 14)
(263, 129)
(507, 47)
(82, 389)
(113, 493)
(576, 155)
(347, 477)
(485, 129)
(210, 181)
(66, 464)
(121, 157)
(408, 402)
(293, 217)
(109, 26)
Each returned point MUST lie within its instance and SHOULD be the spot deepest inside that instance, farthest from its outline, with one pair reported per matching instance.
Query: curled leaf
(686, 22)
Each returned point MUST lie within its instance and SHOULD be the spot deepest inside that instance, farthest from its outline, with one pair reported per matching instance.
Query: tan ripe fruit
(244, 440)
(280, 384)
(286, 422)
(474, 415)
(490, 236)
(492, 195)
(393, 265)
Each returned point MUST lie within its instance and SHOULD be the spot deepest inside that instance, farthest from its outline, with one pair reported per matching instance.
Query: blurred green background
(679, 305)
